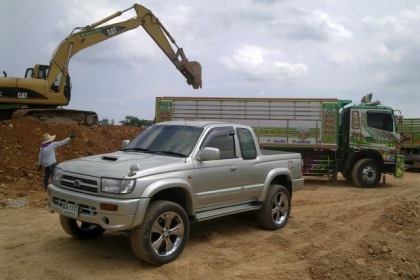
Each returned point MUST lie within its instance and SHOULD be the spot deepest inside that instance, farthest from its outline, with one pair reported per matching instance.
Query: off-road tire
(163, 234)
(80, 230)
(275, 212)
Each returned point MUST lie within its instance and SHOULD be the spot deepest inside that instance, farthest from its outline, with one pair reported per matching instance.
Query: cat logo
(22, 94)
(111, 31)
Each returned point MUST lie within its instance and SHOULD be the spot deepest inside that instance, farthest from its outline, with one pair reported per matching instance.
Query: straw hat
(48, 138)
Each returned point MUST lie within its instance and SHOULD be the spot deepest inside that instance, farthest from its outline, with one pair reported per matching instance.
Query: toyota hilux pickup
(170, 175)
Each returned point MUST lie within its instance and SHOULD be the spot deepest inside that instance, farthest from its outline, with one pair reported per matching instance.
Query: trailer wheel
(81, 230)
(366, 173)
(275, 212)
(162, 235)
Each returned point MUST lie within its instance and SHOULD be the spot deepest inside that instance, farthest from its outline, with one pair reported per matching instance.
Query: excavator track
(59, 115)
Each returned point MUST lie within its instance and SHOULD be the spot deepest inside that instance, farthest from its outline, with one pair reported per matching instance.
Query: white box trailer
(277, 122)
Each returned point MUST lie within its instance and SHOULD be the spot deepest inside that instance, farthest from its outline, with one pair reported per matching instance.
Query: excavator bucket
(192, 71)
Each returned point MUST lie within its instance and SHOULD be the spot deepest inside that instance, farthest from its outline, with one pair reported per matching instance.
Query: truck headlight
(117, 186)
(56, 177)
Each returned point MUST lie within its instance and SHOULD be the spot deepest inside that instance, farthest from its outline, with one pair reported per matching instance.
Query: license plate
(70, 210)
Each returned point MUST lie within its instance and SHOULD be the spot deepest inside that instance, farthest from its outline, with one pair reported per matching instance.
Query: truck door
(373, 129)
(217, 182)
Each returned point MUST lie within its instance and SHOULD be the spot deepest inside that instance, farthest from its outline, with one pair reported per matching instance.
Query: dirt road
(335, 232)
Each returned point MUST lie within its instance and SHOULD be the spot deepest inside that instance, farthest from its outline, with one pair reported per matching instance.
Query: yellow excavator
(46, 88)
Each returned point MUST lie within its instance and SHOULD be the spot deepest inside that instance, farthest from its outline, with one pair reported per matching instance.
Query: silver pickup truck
(171, 174)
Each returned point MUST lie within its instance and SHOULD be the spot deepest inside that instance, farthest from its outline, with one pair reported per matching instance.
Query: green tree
(134, 121)
(106, 121)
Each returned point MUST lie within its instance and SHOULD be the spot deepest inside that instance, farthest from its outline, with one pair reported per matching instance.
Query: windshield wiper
(169, 153)
(137, 150)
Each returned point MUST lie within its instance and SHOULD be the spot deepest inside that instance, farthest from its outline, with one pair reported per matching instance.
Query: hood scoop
(110, 158)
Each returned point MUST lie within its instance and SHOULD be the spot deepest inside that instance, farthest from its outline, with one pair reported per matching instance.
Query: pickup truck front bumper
(126, 213)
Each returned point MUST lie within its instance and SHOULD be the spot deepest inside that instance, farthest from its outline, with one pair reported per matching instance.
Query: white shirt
(47, 154)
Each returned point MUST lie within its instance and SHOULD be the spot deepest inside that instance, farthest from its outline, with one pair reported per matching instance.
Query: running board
(210, 214)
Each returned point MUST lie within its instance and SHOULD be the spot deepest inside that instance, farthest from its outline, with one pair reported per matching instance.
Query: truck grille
(78, 183)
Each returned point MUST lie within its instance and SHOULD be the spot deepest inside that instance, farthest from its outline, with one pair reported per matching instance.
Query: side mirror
(209, 153)
(124, 143)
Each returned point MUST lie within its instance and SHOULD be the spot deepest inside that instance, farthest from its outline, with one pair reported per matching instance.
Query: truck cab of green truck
(361, 141)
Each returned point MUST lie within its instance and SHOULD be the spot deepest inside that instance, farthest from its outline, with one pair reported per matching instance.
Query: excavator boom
(97, 32)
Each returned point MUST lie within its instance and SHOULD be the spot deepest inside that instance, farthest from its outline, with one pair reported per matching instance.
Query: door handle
(233, 168)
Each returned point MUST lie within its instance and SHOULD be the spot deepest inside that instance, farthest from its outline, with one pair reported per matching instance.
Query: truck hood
(115, 165)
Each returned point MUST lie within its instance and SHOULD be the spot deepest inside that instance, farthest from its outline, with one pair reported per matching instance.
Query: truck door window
(224, 140)
(247, 144)
(380, 120)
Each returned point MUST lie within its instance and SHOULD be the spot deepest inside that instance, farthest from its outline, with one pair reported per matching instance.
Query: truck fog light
(105, 221)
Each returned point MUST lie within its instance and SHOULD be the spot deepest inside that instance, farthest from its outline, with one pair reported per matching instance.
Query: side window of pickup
(224, 140)
(247, 144)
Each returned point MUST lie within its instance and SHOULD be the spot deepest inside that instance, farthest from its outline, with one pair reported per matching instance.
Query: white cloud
(394, 43)
(258, 63)
(315, 25)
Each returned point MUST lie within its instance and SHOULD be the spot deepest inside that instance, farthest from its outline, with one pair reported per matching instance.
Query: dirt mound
(20, 140)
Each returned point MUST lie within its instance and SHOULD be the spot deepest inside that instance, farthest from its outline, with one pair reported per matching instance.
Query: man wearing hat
(47, 155)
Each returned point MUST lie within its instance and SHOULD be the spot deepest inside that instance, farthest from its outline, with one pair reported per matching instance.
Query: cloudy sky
(247, 48)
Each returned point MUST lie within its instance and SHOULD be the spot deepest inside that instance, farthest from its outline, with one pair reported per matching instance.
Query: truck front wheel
(81, 230)
(162, 235)
(366, 173)
(275, 212)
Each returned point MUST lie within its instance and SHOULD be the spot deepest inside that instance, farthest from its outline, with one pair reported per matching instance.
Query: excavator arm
(84, 37)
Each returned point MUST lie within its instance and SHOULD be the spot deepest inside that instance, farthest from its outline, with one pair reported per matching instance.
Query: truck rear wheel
(81, 230)
(366, 173)
(276, 209)
(163, 234)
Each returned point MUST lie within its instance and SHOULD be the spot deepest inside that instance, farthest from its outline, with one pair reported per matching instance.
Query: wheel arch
(176, 190)
(279, 176)
(354, 157)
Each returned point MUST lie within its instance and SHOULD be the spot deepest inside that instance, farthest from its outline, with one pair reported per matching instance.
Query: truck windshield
(173, 140)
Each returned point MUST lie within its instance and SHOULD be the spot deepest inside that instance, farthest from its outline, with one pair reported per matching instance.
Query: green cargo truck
(410, 142)
(360, 141)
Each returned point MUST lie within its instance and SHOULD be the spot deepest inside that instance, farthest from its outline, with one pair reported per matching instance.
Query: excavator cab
(41, 72)
(38, 72)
